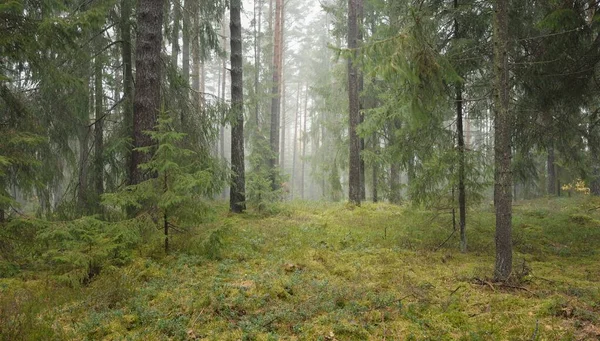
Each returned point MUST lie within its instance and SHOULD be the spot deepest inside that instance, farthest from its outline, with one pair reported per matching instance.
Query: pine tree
(237, 199)
(502, 145)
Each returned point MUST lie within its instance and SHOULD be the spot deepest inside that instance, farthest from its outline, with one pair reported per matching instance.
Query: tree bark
(551, 166)
(98, 129)
(175, 33)
(127, 57)
(257, 51)
(148, 63)
(295, 153)
(375, 168)
(462, 200)
(276, 96)
(502, 145)
(304, 138)
(354, 191)
(185, 49)
(237, 197)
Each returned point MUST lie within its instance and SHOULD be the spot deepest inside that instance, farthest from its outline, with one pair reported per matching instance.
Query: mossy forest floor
(318, 271)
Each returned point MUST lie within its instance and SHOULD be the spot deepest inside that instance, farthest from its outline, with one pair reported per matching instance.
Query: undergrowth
(316, 271)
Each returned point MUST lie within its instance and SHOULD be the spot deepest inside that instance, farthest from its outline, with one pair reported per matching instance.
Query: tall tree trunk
(551, 166)
(395, 197)
(185, 49)
(502, 143)
(282, 88)
(257, 50)
(147, 99)
(82, 185)
(354, 192)
(295, 154)
(195, 56)
(98, 129)
(361, 84)
(304, 138)
(375, 168)
(462, 200)
(223, 94)
(237, 197)
(276, 93)
(127, 58)
(175, 33)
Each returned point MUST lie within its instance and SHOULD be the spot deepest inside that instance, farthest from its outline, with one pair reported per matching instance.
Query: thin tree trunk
(304, 138)
(551, 172)
(237, 197)
(354, 192)
(502, 135)
(375, 168)
(147, 99)
(295, 154)
(195, 57)
(257, 50)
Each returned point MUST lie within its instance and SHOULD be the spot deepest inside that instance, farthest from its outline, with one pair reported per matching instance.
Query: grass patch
(320, 271)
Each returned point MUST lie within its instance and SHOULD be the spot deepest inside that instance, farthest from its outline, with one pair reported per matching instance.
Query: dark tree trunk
(237, 198)
(395, 197)
(354, 191)
(551, 166)
(257, 51)
(148, 76)
(195, 57)
(185, 49)
(175, 32)
(98, 130)
(502, 143)
(375, 168)
(276, 93)
(462, 200)
(127, 79)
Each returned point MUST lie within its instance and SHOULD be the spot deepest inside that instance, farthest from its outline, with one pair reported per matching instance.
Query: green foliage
(259, 190)
(176, 193)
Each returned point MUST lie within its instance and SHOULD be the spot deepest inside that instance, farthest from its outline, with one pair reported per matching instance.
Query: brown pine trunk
(462, 200)
(375, 168)
(98, 129)
(237, 198)
(276, 93)
(146, 103)
(502, 143)
(185, 49)
(354, 191)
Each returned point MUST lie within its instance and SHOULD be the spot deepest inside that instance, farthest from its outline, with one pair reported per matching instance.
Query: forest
(300, 170)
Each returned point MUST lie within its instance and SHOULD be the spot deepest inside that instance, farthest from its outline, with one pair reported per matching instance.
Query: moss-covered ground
(319, 271)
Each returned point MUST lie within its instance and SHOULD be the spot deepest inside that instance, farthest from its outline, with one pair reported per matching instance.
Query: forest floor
(319, 271)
